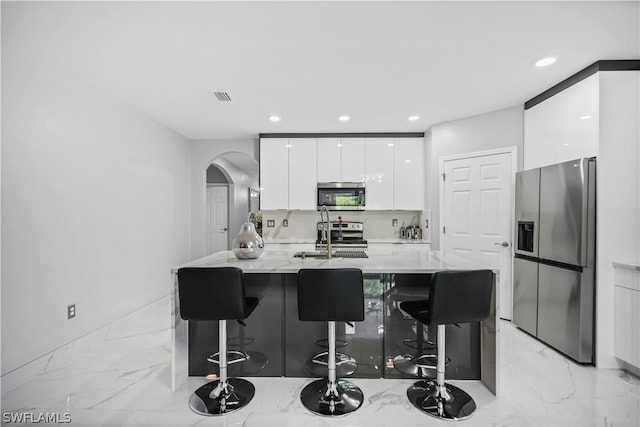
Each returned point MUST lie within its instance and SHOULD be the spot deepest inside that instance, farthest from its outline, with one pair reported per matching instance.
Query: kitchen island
(272, 278)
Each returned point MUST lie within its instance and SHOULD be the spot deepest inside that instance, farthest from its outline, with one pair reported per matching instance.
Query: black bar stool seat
(454, 297)
(331, 295)
(209, 294)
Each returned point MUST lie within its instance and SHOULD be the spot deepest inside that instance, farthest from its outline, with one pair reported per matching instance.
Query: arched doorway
(237, 175)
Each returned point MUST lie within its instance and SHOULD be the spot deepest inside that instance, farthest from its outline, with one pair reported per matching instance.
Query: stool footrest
(323, 358)
(233, 356)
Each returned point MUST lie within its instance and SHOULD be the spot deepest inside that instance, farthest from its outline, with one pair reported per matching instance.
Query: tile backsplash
(301, 225)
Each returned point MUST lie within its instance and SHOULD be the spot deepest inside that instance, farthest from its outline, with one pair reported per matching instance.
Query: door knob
(225, 229)
(503, 244)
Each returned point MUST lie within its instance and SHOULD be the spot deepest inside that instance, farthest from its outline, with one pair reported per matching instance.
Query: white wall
(203, 154)
(618, 210)
(498, 129)
(95, 208)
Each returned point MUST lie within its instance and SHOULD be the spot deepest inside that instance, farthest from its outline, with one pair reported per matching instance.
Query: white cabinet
(408, 174)
(392, 169)
(329, 160)
(627, 313)
(274, 173)
(353, 159)
(395, 173)
(288, 173)
(341, 160)
(379, 173)
(303, 173)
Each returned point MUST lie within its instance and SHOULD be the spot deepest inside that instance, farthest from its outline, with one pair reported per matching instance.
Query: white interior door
(217, 218)
(477, 214)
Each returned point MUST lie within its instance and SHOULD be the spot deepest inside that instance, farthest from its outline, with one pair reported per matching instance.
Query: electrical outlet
(271, 223)
(71, 311)
(285, 222)
(394, 222)
(349, 330)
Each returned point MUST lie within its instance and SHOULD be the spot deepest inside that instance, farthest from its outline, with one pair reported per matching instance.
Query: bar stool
(454, 297)
(217, 293)
(414, 287)
(331, 295)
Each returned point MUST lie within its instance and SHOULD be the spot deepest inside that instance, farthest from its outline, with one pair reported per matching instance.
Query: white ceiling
(309, 62)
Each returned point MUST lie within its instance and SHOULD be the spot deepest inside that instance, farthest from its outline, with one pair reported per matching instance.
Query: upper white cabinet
(288, 173)
(353, 160)
(392, 169)
(408, 174)
(329, 160)
(379, 168)
(395, 173)
(563, 127)
(303, 173)
(274, 173)
(341, 160)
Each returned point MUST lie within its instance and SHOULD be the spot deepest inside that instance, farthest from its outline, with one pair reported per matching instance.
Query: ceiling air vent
(222, 96)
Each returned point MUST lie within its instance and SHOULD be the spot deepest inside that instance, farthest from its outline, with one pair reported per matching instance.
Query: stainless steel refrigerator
(554, 261)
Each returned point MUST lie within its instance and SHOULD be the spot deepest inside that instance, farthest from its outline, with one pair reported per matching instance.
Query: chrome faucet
(326, 233)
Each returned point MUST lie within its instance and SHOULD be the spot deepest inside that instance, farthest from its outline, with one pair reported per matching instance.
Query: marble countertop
(390, 261)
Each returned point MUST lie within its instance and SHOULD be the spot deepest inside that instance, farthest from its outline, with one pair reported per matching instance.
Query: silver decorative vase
(248, 244)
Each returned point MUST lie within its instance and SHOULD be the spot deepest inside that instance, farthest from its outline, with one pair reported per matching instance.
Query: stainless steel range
(343, 234)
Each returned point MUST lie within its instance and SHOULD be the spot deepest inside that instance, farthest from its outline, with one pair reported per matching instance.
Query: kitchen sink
(334, 254)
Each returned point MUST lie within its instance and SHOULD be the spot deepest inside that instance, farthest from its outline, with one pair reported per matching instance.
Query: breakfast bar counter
(279, 334)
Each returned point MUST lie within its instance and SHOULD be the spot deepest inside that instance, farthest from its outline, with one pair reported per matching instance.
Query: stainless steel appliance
(343, 234)
(341, 196)
(554, 262)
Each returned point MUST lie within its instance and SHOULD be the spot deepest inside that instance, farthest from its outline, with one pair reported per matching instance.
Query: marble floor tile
(120, 376)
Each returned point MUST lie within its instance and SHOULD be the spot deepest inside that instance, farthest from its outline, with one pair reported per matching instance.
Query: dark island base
(280, 345)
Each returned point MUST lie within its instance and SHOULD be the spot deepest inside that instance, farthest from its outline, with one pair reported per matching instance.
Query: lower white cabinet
(627, 313)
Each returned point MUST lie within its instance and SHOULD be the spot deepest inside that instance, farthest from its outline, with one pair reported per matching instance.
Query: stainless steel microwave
(341, 196)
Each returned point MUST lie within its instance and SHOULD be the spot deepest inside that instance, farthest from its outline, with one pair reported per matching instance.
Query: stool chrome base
(347, 398)
(211, 399)
(318, 366)
(453, 405)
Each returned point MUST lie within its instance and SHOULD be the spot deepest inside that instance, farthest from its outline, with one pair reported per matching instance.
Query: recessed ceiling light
(545, 61)
(389, 145)
(274, 118)
(587, 117)
(413, 118)
(566, 144)
(407, 161)
(339, 145)
(344, 118)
